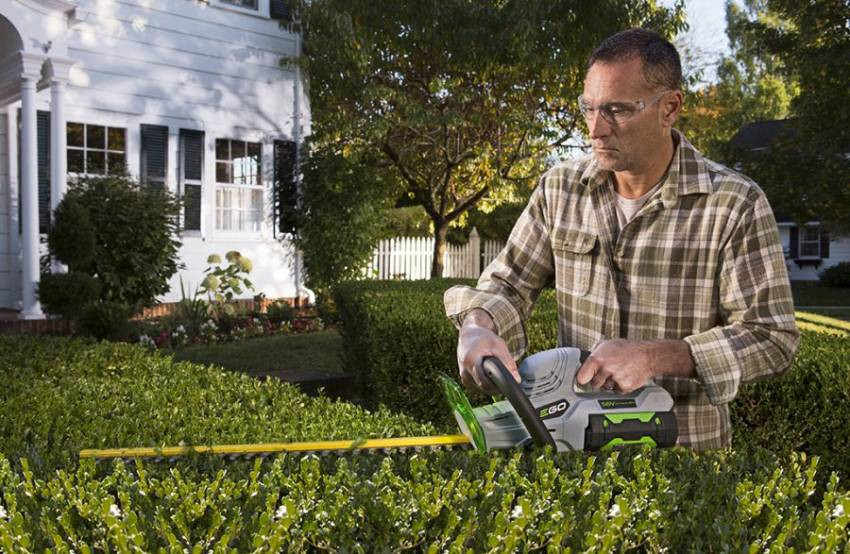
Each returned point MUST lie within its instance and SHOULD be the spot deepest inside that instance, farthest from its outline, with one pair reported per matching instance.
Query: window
(96, 149)
(250, 4)
(285, 187)
(238, 191)
(191, 177)
(810, 242)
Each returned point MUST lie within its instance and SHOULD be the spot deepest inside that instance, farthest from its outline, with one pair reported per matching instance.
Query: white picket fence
(411, 257)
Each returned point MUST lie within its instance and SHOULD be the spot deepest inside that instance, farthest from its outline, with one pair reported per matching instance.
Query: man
(667, 266)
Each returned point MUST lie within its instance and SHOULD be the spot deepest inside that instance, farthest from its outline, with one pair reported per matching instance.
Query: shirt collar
(688, 173)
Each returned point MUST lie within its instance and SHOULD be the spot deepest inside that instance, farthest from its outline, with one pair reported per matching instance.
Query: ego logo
(553, 410)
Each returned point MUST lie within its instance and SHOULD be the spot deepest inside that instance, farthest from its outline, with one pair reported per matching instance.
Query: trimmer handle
(501, 377)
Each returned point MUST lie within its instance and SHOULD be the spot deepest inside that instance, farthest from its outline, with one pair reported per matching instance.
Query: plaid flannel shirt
(701, 261)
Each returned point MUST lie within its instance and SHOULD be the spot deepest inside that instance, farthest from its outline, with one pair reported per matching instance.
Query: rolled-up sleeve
(510, 285)
(758, 336)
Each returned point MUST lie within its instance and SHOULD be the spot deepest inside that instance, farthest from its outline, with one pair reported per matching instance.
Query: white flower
(614, 511)
(281, 512)
(114, 511)
(3, 514)
(838, 511)
(181, 329)
(516, 512)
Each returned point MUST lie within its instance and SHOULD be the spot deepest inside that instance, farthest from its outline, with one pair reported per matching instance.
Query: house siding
(839, 251)
(186, 65)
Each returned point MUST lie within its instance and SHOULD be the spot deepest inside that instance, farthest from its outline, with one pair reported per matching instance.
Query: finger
(482, 381)
(599, 379)
(508, 361)
(587, 370)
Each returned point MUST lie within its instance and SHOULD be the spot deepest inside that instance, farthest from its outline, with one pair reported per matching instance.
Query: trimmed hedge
(396, 338)
(61, 395)
(671, 500)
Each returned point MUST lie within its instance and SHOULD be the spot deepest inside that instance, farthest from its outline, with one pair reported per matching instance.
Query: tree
(806, 170)
(455, 100)
(751, 85)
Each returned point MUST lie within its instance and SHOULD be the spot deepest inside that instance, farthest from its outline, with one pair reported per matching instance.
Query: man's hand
(478, 339)
(626, 365)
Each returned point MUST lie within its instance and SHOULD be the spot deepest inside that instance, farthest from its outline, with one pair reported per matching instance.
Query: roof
(759, 134)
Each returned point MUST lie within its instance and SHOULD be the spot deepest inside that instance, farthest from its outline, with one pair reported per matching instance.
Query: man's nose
(597, 125)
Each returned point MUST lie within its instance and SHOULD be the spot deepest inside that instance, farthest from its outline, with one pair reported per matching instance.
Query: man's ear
(671, 107)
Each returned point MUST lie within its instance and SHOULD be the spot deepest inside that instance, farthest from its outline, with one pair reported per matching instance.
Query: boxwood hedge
(397, 338)
(61, 395)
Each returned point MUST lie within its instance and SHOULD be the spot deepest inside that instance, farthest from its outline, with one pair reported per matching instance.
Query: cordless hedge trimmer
(546, 408)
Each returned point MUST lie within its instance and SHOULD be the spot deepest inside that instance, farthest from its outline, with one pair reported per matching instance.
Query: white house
(808, 249)
(187, 94)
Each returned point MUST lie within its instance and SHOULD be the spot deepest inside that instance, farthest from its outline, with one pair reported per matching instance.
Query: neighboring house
(808, 249)
(185, 94)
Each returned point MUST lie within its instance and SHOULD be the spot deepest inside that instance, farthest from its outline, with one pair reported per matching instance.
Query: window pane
(810, 249)
(116, 163)
(116, 139)
(238, 169)
(95, 136)
(75, 161)
(237, 149)
(95, 162)
(243, 3)
(252, 171)
(75, 134)
(222, 149)
(222, 172)
(812, 234)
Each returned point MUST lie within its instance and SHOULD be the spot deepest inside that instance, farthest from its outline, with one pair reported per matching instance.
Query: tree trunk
(441, 228)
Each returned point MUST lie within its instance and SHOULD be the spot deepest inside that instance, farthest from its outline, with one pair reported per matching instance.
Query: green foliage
(344, 203)
(279, 312)
(751, 86)
(397, 339)
(66, 294)
(459, 101)
(836, 276)
(135, 237)
(72, 237)
(804, 169)
(62, 395)
(105, 320)
(223, 283)
(666, 501)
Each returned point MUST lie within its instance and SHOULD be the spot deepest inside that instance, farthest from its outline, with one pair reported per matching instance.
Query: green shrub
(136, 249)
(61, 395)
(105, 320)
(279, 312)
(66, 294)
(837, 276)
(72, 237)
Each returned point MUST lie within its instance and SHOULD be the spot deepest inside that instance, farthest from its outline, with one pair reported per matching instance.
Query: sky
(707, 34)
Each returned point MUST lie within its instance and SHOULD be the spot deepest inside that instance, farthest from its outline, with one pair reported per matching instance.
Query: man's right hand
(478, 339)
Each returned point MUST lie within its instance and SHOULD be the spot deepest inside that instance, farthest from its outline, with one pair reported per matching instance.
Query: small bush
(837, 276)
(66, 294)
(135, 230)
(72, 237)
(280, 312)
(105, 320)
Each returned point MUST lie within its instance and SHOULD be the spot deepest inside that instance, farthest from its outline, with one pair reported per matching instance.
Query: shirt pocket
(574, 256)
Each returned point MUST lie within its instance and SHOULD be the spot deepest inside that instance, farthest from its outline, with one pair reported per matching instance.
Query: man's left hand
(627, 365)
(617, 364)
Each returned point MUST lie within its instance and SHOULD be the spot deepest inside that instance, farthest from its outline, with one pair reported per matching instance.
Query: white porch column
(31, 308)
(57, 72)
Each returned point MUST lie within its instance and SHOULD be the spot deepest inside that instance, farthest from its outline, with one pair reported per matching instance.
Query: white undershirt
(626, 208)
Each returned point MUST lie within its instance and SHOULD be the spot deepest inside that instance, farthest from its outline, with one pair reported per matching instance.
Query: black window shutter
(795, 248)
(285, 186)
(154, 154)
(824, 244)
(43, 129)
(279, 10)
(193, 161)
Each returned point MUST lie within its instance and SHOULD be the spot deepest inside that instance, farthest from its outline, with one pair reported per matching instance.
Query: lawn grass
(318, 351)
